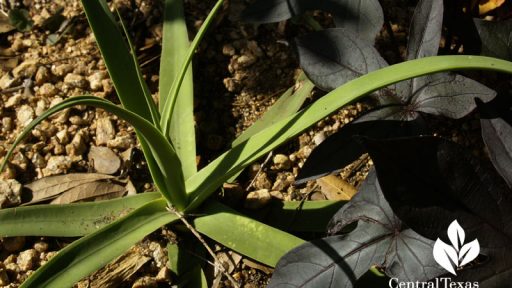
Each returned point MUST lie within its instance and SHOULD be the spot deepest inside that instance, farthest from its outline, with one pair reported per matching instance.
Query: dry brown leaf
(489, 5)
(335, 188)
(50, 187)
(119, 270)
(88, 191)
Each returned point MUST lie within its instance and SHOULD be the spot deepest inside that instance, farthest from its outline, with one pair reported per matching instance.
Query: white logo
(458, 254)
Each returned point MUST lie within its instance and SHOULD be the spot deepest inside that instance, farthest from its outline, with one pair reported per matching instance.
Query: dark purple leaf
(379, 239)
(269, 11)
(430, 182)
(496, 38)
(335, 56)
(497, 135)
(444, 94)
(341, 149)
(425, 30)
(364, 17)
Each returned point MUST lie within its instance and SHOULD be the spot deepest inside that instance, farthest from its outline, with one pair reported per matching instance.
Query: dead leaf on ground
(76, 187)
(50, 187)
(90, 190)
(486, 6)
(335, 188)
(119, 270)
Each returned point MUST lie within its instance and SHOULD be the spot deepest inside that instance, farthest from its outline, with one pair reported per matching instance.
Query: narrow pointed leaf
(175, 45)
(203, 183)
(95, 250)
(155, 116)
(170, 101)
(305, 216)
(69, 220)
(250, 238)
(425, 31)
(117, 57)
(287, 104)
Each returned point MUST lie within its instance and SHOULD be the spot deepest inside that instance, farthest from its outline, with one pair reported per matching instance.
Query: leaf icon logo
(458, 254)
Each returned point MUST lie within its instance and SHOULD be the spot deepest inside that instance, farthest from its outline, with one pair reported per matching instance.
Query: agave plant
(165, 133)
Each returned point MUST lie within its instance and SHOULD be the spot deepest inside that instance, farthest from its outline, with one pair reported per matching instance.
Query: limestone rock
(104, 160)
(257, 199)
(25, 115)
(10, 193)
(104, 131)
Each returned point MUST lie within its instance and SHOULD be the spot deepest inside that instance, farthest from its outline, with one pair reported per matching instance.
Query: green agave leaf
(95, 250)
(185, 262)
(118, 59)
(169, 177)
(170, 100)
(307, 216)
(206, 181)
(288, 104)
(174, 48)
(69, 220)
(155, 115)
(245, 235)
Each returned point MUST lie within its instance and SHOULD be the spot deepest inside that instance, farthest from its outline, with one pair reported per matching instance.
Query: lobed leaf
(342, 148)
(497, 136)
(332, 57)
(496, 37)
(443, 94)
(459, 187)
(363, 17)
(425, 30)
(379, 239)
